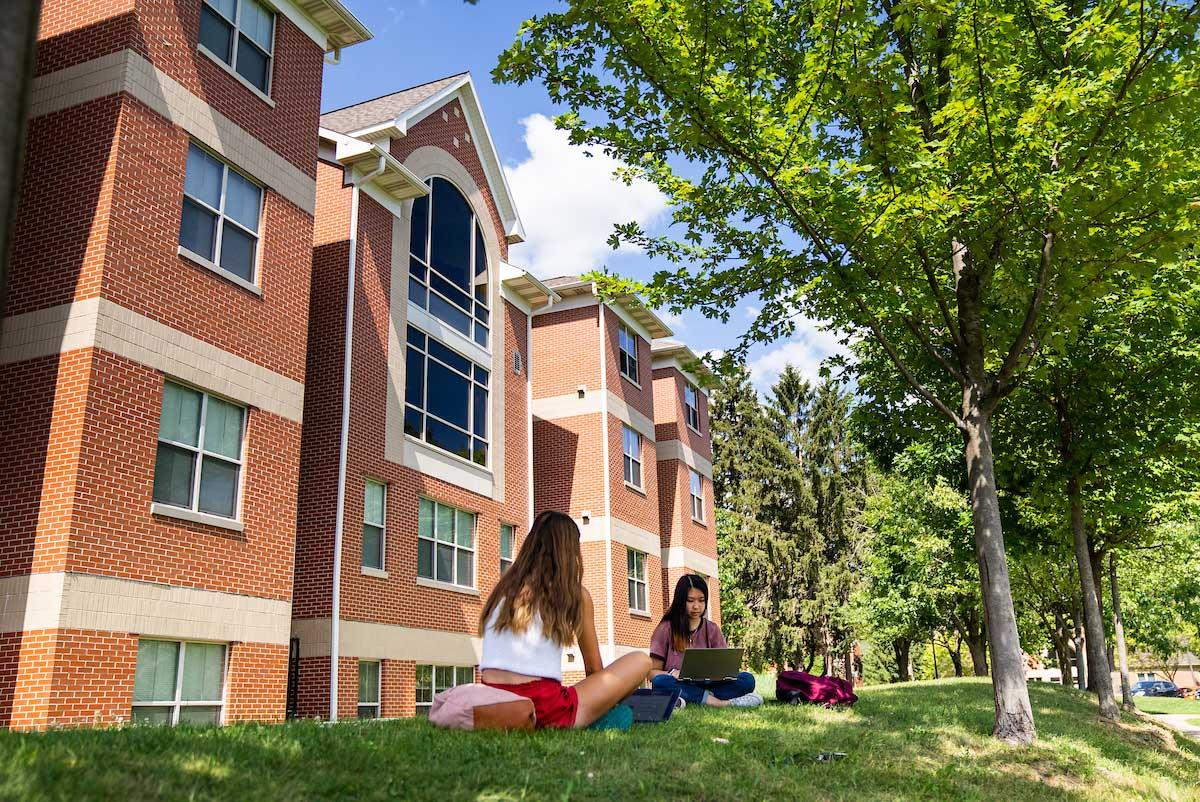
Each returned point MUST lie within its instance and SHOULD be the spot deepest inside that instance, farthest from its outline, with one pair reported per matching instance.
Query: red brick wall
(567, 464)
(633, 629)
(516, 420)
(639, 508)
(678, 526)
(669, 418)
(640, 398)
(565, 352)
(257, 682)
(166, 32)
(595, 576)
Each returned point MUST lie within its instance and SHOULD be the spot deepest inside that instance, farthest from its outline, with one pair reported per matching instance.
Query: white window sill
(449, 336)
(694, 429)
(699, 521)
(482, 470)
(220, 271)
(168, 511)
(639, 613)
(221, 63)
(433, 583)
(378, 573)
(634, 382)
(636, 489)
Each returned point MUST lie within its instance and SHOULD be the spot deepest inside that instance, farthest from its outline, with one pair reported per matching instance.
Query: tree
(956, 180)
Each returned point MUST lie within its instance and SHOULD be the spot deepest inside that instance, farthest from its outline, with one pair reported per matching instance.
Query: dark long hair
(545, 580)
(677, 613)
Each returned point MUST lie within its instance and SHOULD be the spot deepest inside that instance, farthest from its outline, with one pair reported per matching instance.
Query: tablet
(652, 705)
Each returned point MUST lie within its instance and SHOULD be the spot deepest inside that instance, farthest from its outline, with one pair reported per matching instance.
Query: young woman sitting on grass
(685, 626)
(538, 608)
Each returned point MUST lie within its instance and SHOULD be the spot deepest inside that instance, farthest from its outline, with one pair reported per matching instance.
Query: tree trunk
(901, 648)
(1080, 654)
(1092, 617)
(1014, 716)
(1119, 630)
(956, 657)
(933, 653)
(848, 664)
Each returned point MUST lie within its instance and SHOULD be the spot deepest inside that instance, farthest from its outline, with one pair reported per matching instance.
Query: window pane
(506, 542)
(223, 428)
(454, 360)
(695, 477)
(447, 438)
(237, 252)
(218, 487)
(479, 452)
(372, 553)
(154, 680)
(465, 531)
(416, 338)
(630, 561)
(451, 234)
(425, 559)
(480, 412)
(414, 378)
(451, 293)
(203, 180)
(203, 668)
(420, 227)
(466, 568)
(252, 63)
(157, 716)
(180, 418)
(627, 464)
(243, 200)
(173, 468)
(481, 376)
(445, 523)
(450, 314)
(416, 293)
(632, 593)
(368, 711)
(481, 287)
(424, 678)
(443, 677)
(641, 605)
(257, 22)
(226, 7)
(635, 470)
(425, 518)
(481, 335)
(449, 395)
(445, 563)
(368, 682)
(464, 675)
(414, 422)
(373, 495)
(198, 230)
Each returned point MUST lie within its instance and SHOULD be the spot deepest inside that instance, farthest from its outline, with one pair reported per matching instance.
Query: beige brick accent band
(683, 557)
(83, 601)
(127, 71)
(99, 323)
(598, 528)
(375, 641)
(678, 450)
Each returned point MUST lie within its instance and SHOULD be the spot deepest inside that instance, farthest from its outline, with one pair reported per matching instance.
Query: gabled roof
(673, 349)
(392, 115)
(568, 286)
(527, 286)
(368, 161)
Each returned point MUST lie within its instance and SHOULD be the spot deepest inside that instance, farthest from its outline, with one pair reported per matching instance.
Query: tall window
(448, 271)
(241, 34)
(691, 406)
(697, 492)
(199, 459)
(633, 456)
(446, 544)
(637, 581)
(446, 397)
(507, 537)
(368, 688)
(178, 683)
(432, 680)
(374, 516)
(221, 208)
(628, 347)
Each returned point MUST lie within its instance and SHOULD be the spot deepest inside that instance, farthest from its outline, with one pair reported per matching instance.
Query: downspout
(612, 640)
(344, 441)
(336, 59)
(529, 416)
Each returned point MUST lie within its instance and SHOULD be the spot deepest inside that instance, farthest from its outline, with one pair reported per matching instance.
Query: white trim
(683, 557)
(507, 294)
(571, 405)
(297, 17)
(374, 572)
(192, 256)
(425, 582)
(661, 363)
(604, 450)
(680, 452)
(529, 418)
(450, 468)
(195, 516)
(448, 336)
(603, 529)
(220, 62)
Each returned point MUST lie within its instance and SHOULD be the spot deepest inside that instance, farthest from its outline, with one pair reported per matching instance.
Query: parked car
(1157, 687)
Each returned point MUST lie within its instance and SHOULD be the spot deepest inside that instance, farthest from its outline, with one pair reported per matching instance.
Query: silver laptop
(710, 665)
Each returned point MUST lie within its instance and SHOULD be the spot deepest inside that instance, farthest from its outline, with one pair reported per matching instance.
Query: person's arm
(589, 644)
(659, 642)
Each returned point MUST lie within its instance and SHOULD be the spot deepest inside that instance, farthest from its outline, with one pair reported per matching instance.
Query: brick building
(277, 408)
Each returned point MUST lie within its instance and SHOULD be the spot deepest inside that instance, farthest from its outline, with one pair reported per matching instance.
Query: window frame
(637, 580)
(628, 461)
(231, 65)
(696, 482)
(381, 525)
(199, 453)
(624, 357)
(214, 264)
(691, 411)
(506, 562)
(453, 543)
(426, 262)
(423, 409)
(178, 702)
(422, 708)
(378, 703)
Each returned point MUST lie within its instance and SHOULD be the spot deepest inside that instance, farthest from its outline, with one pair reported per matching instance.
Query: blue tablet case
(652, 705)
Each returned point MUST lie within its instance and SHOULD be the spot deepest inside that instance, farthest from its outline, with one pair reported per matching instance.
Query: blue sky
(566, 222)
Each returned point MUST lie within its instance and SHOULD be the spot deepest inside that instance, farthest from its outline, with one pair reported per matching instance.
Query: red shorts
(554, 704)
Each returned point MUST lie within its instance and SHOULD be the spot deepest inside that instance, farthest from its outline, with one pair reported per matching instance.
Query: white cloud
(751, 312)
(674, 322)
(806, 350)
(569, 202)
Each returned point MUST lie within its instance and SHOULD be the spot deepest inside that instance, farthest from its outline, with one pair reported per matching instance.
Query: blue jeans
(694, 692)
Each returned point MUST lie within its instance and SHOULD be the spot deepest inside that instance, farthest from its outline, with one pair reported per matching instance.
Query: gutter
(344, 441)
(612, 639)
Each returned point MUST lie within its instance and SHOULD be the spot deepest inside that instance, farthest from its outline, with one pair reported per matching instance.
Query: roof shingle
(371, 112)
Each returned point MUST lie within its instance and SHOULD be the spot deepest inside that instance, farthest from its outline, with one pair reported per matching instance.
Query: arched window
(448, 270)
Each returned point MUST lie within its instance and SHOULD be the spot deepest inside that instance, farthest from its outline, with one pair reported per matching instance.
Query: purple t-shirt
(707, 636)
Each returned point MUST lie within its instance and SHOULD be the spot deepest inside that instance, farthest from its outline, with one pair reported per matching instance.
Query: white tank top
(530, 653)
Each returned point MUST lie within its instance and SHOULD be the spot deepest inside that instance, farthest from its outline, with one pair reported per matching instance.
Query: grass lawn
(1165, 704)
(1195, 722)
(922, 741)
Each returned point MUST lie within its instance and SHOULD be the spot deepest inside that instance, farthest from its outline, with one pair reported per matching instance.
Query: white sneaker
(746, 700)
(680, 703)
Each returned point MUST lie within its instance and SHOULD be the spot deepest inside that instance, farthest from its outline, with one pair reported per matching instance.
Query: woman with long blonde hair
(538, 608)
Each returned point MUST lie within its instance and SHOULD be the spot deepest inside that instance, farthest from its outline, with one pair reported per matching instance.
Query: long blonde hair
(545, 580)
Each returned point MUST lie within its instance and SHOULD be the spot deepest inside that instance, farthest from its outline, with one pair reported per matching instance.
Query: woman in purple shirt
(684, 626)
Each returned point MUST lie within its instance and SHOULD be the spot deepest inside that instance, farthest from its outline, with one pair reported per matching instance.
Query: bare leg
(599, 692)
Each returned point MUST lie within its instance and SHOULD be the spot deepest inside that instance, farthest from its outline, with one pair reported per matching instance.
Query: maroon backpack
(795, 687)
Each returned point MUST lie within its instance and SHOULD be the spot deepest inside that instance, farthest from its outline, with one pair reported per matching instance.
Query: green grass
(921, 741)
(1195, 722)
(1165, 704)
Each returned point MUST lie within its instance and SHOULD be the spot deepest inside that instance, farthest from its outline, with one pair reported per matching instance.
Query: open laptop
(710, 665)
(652, 705)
